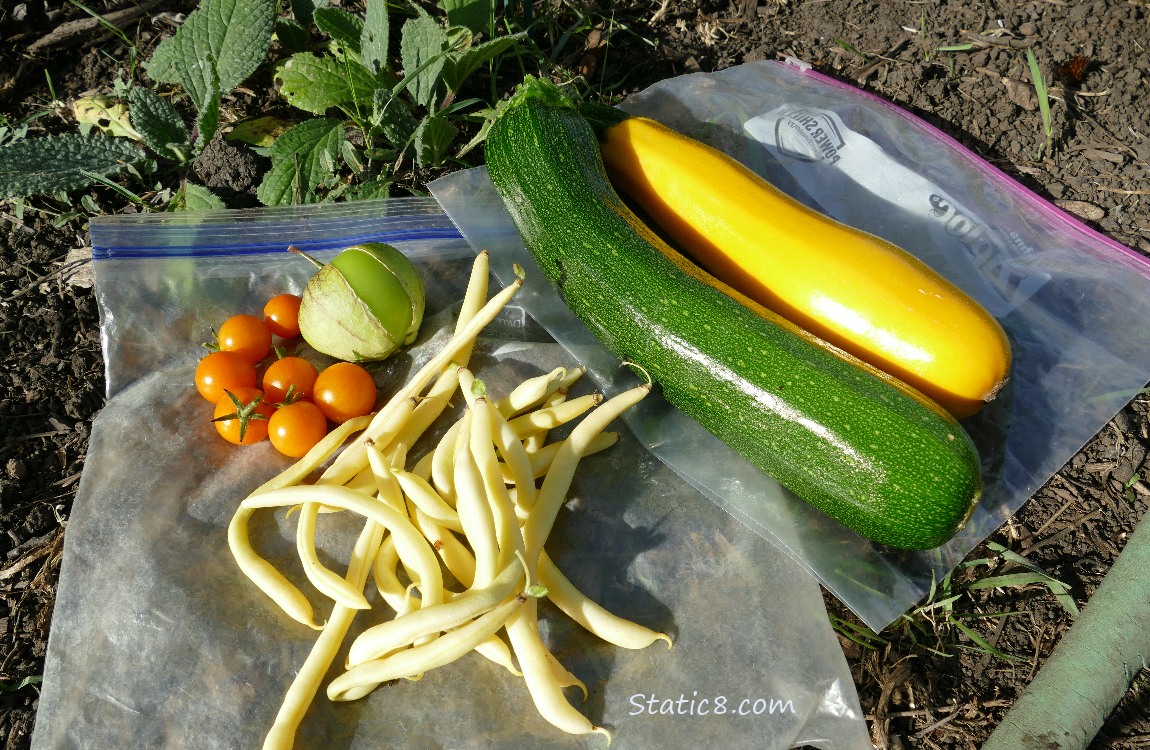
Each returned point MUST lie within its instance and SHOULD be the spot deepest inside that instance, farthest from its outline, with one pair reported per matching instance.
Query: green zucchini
(866, 451)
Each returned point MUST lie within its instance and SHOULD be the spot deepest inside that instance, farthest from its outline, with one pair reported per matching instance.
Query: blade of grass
(982, 644)
(1043, 98)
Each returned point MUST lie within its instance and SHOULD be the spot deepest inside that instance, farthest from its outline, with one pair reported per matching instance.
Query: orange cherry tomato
(295, 428)
(247, 336)
(281, 315)
(250, 415)
(289, 373)
(220, 371)
(344, 391)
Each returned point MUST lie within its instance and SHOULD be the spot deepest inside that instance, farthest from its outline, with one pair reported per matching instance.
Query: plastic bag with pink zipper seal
(1064, 293)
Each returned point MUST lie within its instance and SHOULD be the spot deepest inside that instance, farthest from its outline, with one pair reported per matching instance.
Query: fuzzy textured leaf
(461, 65)
(421, 48)
(474, 15)
(45, 165)
(316, 84)
(208, 120)
(344, 28)
(199, 198)
(432, 140)
(158, 123)
(373, 41)
(392, 118)
(302, 158)
(230, 36)
(378, 187)
(303, 10)
(292, 34)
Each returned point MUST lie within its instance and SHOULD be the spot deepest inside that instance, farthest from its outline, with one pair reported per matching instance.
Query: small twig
(87, 30)
(41, 279)
(28, 559)
(942, 709)
(1058, 535)
(30, 544)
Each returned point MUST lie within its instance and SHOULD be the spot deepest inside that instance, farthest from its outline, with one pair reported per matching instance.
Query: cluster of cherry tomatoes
(292, 403)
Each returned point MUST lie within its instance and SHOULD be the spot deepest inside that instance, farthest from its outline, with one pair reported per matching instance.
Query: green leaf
(315, 84)
(421, 46)
(208, 119)
(982, 643)
(352, 157)
(37, 166)
(292, 34)
(433, 138)
(344, 28)
(461, 65)
(489, 116)
(303, 10)
(159, 124)
(302, 158)
(230, 36)
(6, 687)
(473, 15)
(198, 198)
(378, 187)
(392, 118)
(374, 39)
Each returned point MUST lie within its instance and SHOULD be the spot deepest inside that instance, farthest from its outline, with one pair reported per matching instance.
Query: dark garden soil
(920, 687)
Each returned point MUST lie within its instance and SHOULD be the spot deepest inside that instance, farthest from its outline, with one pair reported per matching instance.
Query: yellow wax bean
(443, 463)
(386, 581)
(363, 482)
(592, 616)
(385, 484)
(545, 690)
(396, 455)
(530, 393)
(571, 376)
(496, 651)
(359, 681)
(454, 553)
(422, 467)
(420, 492)
(564, 677)
(516, 468)
(550, 417)
(353, 459)
(411, 545)
(304, 687)
(380, 640)
(438, 397)
(264, 575)
(474, 509)
(314, 458)
(553, 492)
(540, 460)
(328, 582)
(482, 447)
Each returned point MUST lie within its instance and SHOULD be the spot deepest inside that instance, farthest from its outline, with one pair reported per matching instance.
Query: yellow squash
(852, 289)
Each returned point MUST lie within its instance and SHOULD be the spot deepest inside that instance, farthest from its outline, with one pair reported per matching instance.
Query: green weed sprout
(1043, 99)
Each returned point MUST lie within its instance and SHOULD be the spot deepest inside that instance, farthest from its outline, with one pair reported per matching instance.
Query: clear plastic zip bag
(1064, 293)
(159, 641)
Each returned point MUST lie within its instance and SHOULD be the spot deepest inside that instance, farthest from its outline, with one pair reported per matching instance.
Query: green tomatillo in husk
(363, 305)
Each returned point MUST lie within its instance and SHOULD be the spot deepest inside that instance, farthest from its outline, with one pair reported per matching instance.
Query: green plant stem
(1092, 666)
